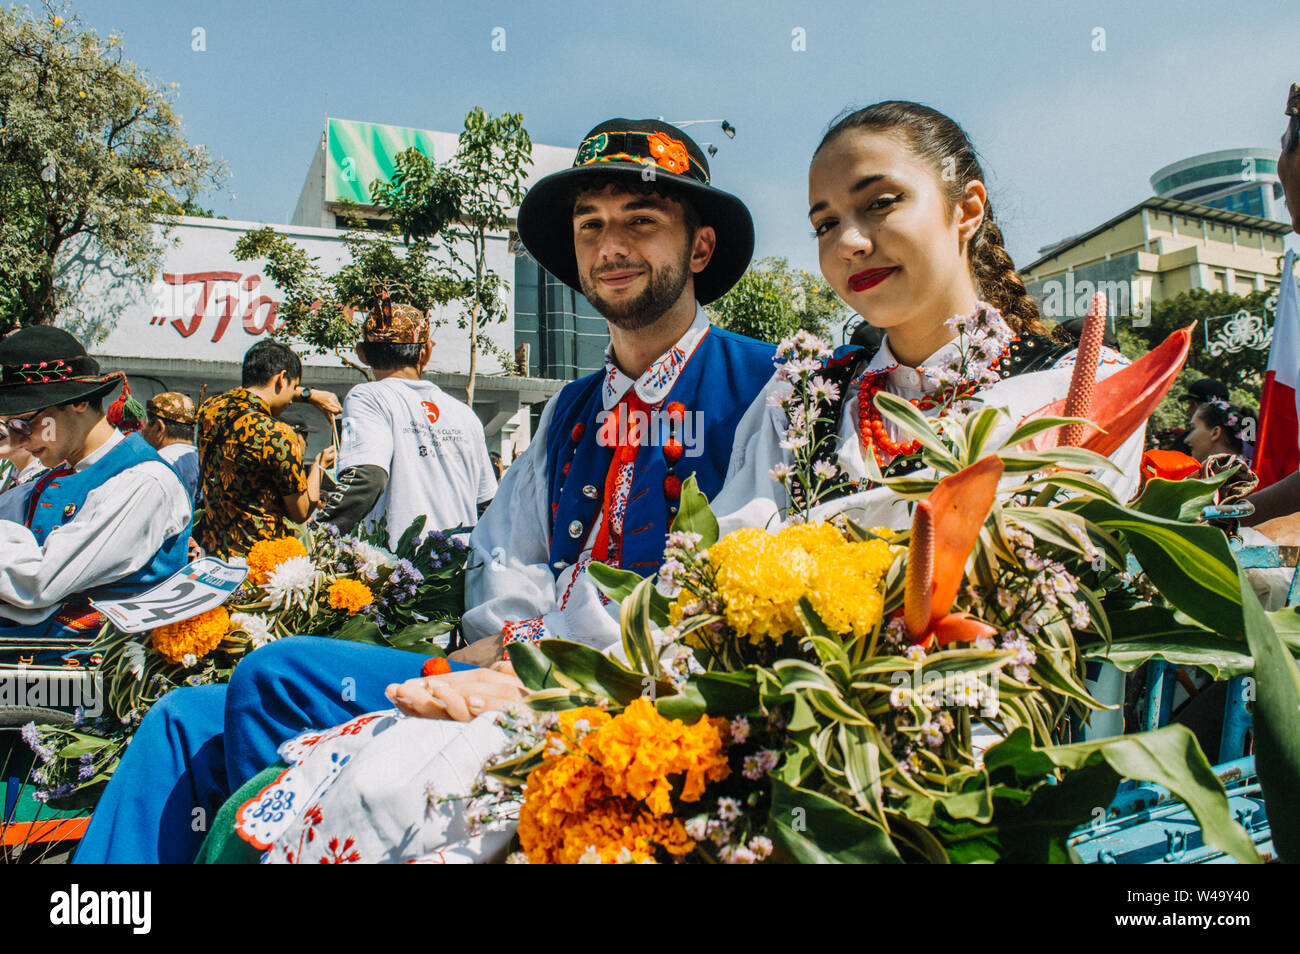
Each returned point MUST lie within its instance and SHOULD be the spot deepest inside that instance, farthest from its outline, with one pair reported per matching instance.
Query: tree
(91, 151)
(1243, 370)
(772, 301)
(318, 309)
(480, 184)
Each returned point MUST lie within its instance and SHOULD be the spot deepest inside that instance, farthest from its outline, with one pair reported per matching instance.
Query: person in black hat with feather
(109, 518)
(637, 226)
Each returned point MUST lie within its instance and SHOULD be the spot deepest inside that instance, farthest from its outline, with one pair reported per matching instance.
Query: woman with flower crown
(907, 239)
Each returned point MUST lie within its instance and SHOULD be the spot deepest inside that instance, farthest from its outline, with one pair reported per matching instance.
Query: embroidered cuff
(525, 630)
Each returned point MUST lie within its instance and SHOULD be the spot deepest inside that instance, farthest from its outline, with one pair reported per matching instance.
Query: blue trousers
(197, 745)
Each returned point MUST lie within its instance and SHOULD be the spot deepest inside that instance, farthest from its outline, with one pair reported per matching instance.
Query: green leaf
(405, 543)
(1037, 426)
(980, 428)
(597, 673)
(418, 637)
(1023, 462)
(726, 694)
(1170, 757)
(618, 585)
(1179, 499)
(532, 668)
(360, 629)
(694, 515)
(1140, 634)
(809, 828)
(910, 419)
(1276, 716)
(634, 628)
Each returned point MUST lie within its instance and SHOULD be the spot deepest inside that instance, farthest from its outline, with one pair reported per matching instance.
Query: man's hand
(196, 551)
(325, 459)
(457, 696)
(325, 401)
(482, 652)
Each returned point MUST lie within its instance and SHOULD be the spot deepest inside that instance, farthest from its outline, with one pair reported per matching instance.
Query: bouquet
(835, 693)
(318, 582)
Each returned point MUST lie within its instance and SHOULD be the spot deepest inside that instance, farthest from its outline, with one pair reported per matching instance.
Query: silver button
(559, 564)
(590, 491)
(575, 529)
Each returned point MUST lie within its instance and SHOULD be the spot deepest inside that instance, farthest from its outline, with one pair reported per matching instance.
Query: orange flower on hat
(669, 153)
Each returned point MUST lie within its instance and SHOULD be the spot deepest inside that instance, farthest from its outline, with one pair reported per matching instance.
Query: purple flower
(33, 739)
(85, 768)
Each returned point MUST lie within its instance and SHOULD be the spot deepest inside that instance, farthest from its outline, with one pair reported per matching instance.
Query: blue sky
(1069, 136)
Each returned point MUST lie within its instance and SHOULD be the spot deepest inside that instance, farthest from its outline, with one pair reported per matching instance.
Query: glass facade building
(566, 337)
(1235, 180)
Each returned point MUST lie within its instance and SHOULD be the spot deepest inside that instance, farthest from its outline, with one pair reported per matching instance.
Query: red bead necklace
(871, 426)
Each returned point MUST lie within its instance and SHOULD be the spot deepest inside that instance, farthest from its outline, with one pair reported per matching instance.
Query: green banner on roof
(359, 153)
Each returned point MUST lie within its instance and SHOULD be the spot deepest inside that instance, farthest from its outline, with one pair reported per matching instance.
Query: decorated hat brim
(546, 225)
(25, 398)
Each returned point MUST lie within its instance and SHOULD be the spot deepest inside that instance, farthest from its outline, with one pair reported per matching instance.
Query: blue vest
(721, 379)
(55, 500)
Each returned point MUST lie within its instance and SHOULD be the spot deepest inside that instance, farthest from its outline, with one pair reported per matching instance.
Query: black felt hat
(638, 151)
(1205, 389)
(42, 366)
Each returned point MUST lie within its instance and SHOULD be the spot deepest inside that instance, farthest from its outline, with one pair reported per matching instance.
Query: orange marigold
(196, 636)
(266, 555)
(350, 595)
(604, 784)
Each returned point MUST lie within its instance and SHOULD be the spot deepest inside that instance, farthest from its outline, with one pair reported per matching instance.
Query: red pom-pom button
(673, 450)
(676, 411)
(436, 666)
(672, 488)
(578, 430)
(566, 468)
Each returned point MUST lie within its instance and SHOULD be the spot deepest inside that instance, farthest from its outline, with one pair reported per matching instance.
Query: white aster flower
(825, 469)
(517, 858)
(590, 857)
(291, 582)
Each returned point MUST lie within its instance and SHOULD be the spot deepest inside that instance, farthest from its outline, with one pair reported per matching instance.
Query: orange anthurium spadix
(944, 530)
(1122, 402)
(1078, 401)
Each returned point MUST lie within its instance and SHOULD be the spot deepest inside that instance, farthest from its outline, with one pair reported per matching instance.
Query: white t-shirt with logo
(431, 445)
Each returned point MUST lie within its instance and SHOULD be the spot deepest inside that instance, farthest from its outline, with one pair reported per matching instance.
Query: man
(109, 518)
(250, 468)
(1283, 497)
(637, 226)
(409, 449)
(169, 429)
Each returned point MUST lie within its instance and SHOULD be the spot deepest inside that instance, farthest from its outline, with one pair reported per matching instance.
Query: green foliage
(91, 151)
(772, 301)
(319, 309)
(1243, 371)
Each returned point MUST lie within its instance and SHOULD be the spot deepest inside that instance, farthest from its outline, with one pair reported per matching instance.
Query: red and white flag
(1277, 453)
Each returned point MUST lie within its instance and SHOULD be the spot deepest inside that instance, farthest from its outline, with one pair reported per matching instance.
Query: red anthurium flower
(944, 530)
(1122, 402)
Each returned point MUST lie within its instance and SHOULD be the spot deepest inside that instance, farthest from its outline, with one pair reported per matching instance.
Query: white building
(187, 328)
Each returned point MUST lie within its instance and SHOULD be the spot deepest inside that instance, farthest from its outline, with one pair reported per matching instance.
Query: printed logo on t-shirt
(431, 410)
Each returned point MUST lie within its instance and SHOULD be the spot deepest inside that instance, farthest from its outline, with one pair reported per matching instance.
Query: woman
(906, 245)
(1216, 428)
(906, 237)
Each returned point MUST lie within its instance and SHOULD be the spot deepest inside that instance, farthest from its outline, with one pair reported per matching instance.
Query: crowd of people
(906, 237)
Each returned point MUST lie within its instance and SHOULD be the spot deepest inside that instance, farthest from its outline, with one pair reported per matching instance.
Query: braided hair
(945, 146)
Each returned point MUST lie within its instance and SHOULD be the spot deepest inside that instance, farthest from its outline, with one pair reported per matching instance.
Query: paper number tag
(195, 589)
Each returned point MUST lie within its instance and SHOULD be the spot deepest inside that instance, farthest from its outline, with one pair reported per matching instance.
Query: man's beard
(662, 292)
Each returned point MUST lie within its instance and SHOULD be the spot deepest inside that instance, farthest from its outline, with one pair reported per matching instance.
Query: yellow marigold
(266, 555)
(198, 635)
(760, 579)
(350, 595)
(812, 538)
(844, 586)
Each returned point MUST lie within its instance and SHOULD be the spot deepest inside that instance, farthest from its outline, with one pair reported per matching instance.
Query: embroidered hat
(42, 366)
(638, 152)
(398, 324)
(171, 406)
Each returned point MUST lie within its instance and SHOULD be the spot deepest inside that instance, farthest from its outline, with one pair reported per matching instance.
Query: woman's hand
(458, 696)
